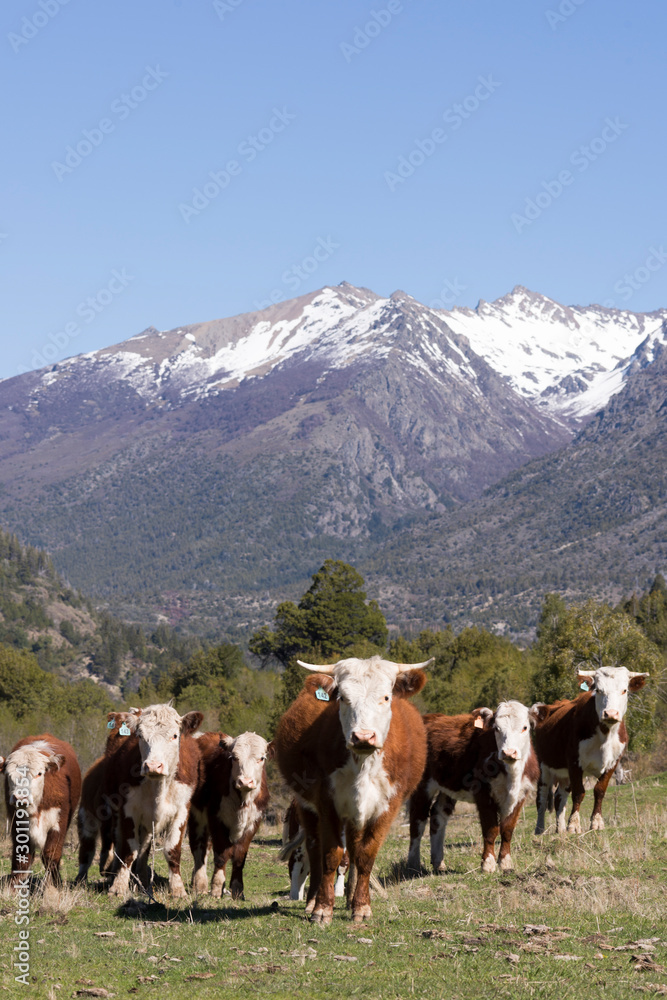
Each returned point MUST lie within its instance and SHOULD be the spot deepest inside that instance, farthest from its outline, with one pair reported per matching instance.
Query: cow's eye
(386, 697)
(175, 736)
(624, 692)
(524, 729)
(261, 759)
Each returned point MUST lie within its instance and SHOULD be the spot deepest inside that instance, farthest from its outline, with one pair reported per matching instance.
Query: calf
(484, 757)
(98, 814)
(580, 738)
(295, 853)
(352, 749)
(227, 806)
(42, 789)
(150, 777)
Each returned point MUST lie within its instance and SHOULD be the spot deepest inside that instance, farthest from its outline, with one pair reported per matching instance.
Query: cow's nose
(364, 736)
(511, 754)
(244, 782)
(612, 713)
(151, 767)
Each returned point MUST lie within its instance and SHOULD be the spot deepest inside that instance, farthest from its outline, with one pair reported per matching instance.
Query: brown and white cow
(352, 749)
(580, 738)
(98, 814)
(150, 777)
(483, 757)
(42, 789)
(227, 806)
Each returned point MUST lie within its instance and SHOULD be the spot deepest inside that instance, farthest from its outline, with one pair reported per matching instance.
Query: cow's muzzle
(245, 784)
(151, 770)
(363, 741)
(611, 715)
(509, 755)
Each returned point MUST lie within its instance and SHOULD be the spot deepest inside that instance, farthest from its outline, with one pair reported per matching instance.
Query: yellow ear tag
(479, 723)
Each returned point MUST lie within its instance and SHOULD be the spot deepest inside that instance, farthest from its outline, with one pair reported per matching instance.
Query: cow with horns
(352, 749)
(580, 738)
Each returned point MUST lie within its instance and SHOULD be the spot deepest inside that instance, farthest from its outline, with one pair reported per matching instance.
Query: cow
(352, 749)
(97, 815)
(483, 757)
(42, 789)
(227, 806)
(579, 738)
(150, 778)
(295, 853)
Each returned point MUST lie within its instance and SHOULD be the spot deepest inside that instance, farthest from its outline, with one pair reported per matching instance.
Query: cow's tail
(289, 848)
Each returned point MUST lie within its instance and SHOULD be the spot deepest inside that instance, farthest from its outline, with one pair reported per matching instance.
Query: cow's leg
(239, 855)
(198, 840)
(343, 867)
(298, 872)
(543, 795)
(222, 851)
(128, 848)
(173, 846)
(364, 847)
(420, 804)
(88, 827)
(310, 823)
(506, 830)
(578, 792)
(441, 810)
(488, 818)
(597, 823)
(332, 855)
(52, 853)
(560, 804)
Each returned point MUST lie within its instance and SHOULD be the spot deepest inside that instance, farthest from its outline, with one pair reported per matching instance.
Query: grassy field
(577, 916)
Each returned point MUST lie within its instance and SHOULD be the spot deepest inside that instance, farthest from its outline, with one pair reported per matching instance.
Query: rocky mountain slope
(204, 472)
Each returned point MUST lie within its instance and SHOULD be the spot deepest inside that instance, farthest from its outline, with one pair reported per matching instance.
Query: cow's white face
(511, 727)
(611, 686)
(25, 771)
(364, 691)
(248, 752)
(159, 730)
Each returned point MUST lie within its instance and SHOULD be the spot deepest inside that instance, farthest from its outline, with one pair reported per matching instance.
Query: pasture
(578, 915)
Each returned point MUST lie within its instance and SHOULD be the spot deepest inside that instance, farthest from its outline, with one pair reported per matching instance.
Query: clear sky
(450, 149)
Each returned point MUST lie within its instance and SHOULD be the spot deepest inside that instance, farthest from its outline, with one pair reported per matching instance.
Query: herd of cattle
(351, 748)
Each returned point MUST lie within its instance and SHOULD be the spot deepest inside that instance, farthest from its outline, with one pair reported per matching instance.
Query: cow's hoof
(597, 823)
(322, 915)
(361, 913)
(200, 884)
(489, 864)
(539, 830)
(310, 906)
(178, 892)
(237, 891)
(506, 863)
(574, 826)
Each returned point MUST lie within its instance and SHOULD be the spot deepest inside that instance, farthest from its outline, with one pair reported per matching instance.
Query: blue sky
(449, 149)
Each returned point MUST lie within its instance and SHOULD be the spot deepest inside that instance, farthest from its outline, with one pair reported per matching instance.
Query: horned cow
(352, 749)
(483, 757)
(42, 789)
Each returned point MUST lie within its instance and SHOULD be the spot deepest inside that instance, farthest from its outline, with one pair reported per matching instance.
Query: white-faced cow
(483, 757)
(227, 806)
(352, 749)
(42, 789)
(582, 738)
(98, 814)
(150, 777)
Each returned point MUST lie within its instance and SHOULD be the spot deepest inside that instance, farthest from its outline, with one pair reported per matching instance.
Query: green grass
(457, 935)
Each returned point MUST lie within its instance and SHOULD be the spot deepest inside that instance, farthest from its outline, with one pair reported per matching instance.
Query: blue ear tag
(321, 694)
(111, 724)
(584, 686)
(124, 730)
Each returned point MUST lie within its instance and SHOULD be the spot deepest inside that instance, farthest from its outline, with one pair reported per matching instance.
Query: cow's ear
(538, 713)
(321, 682)
(226, 742)
(637, 681)
(2, 764)
(482, 718)
(270, 750)
(191, 722)
(586, 677)
(409, 683)
(54, 762)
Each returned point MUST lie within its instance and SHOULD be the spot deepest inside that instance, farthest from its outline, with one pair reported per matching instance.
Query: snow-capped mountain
(568, 359)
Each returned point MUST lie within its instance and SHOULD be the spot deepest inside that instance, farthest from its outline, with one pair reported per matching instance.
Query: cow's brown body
(48, 820)
(337, 793)
(219, 813)
(463, 765)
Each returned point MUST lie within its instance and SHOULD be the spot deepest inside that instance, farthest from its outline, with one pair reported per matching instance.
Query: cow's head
(364, 689)
(25, 772)
(249, 753)
(159, 729)
(511, 724)
(611, 687)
